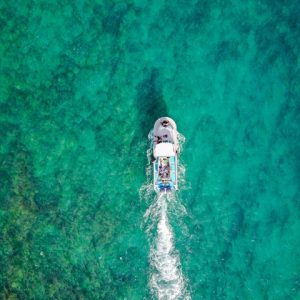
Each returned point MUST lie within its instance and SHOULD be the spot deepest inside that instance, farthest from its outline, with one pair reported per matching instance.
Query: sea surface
(81, 85)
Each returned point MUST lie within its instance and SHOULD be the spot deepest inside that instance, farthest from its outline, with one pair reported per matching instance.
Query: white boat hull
(165, 149)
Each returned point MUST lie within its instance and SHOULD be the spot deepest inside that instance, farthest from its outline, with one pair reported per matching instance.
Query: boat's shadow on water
(149, 102)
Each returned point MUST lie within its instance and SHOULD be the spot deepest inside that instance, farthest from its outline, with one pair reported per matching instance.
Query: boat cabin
(165, 167)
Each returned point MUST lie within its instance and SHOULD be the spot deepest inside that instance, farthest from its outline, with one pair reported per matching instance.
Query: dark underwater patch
(150, 102)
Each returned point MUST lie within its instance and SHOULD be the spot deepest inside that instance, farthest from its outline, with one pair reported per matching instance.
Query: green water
(81, 84)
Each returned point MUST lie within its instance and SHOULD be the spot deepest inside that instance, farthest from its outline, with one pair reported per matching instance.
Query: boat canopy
(164, 149)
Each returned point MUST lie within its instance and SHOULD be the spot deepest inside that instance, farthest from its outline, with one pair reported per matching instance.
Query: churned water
(82, 83)
(166, 278)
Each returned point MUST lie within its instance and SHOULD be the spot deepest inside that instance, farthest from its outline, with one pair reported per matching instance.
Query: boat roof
(164, 149)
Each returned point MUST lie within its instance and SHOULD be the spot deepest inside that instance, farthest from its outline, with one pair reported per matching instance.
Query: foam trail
(166, 280)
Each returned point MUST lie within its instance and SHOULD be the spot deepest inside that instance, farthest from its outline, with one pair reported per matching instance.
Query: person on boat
(165, 136)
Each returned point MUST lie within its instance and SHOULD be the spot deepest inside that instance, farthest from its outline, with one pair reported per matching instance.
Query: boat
(165, 150)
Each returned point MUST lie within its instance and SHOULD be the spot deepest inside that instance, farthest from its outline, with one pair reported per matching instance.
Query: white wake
(166, 279)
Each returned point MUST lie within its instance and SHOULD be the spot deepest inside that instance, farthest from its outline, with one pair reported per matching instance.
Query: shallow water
(81, 86)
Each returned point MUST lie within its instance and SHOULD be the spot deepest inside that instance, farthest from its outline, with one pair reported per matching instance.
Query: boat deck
(165, 172)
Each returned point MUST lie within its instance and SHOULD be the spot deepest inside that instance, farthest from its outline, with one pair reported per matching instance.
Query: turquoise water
(82, 83)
